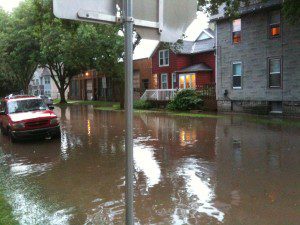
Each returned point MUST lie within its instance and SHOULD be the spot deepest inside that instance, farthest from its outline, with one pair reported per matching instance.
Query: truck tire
(3, 131)
(11, 137)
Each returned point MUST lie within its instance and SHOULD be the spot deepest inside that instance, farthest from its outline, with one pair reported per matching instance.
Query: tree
(70, 48)
(20, 46)
(291, 8)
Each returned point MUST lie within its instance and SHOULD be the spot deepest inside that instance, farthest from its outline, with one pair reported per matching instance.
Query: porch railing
(159, 94)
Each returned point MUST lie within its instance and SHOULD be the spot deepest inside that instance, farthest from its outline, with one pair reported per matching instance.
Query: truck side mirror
(51, 107)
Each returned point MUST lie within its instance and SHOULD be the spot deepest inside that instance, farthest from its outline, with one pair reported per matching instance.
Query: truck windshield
(26, 106)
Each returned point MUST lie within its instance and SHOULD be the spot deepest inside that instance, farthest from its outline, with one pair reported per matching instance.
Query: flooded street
(187, 171)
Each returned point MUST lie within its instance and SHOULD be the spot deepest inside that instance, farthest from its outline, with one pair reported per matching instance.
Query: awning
(195, 68)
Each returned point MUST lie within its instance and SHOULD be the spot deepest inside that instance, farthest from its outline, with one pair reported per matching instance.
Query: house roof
(195, 68)
(194, 47)
(190, 47)
(46, 72)
(252, 7)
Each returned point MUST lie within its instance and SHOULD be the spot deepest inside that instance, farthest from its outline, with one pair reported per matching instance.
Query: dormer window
(274, 26)
(164, 58)
(236, 31)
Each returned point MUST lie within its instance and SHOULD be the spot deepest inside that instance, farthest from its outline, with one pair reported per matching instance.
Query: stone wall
(254, 51)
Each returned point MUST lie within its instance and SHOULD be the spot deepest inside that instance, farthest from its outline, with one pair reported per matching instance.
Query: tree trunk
(62, 96)
(122, 95)
(25, 87)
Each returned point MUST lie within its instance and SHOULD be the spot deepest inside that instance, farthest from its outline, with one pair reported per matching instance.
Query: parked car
(46, 99)
(26, 117)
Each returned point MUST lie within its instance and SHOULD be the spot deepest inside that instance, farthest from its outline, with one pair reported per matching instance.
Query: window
(47, 80)
(237, 75)
(164, 58)
(236, 31)
(173, 80)
(164, 81)
(37, 82)
(47, 93)
(187, 81)
(274, 26)
(274, 73)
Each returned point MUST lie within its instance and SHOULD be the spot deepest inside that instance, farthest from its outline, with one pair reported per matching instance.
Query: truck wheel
(3, 131)
(11, 137)
(56, 136)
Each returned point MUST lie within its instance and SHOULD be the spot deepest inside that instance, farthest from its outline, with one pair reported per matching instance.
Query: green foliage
(186, 100)
(69, 48)
(142, 104)
(19, 47)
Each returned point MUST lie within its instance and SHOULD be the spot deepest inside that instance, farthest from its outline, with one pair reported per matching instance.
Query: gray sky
(8, 5)
(147, 46)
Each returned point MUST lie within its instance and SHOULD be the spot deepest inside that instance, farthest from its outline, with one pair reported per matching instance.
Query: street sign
(84, 10)
(162, 20)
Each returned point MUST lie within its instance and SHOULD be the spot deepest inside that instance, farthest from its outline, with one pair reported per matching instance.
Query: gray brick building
(258, 61)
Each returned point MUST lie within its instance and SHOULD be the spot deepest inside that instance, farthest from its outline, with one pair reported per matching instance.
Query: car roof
(21, 99)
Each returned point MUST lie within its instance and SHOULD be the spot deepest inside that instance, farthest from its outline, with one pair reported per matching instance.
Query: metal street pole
(128, 20)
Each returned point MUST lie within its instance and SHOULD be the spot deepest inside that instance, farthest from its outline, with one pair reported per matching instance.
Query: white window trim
(184, 84)
(174, 80)
(235, 75)
(164, 59)
(275, 73)
(161, 79)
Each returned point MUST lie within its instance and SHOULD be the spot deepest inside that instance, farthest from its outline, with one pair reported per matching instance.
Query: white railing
(159, 94)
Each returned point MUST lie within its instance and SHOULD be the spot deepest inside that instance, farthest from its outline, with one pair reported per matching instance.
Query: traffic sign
(162, 20)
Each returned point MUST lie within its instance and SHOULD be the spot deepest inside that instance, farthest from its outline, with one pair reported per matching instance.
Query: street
(223, 170)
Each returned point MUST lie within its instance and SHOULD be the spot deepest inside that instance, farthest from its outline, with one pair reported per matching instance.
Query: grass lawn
(6, 217)
(93, 103)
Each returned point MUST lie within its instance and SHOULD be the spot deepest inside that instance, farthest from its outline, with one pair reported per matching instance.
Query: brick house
(142, 76)
(190, 65)
(257, 60)
(92, 85)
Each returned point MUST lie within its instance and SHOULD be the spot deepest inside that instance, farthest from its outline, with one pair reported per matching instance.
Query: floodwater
(187, 171)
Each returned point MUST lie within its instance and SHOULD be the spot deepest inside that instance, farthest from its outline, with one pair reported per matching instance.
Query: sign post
(162, 20)
(128, 20)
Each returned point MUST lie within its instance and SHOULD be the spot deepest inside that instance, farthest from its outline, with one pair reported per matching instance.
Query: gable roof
(254, 6)
(199, 46)
(195, 68)
(208, 32)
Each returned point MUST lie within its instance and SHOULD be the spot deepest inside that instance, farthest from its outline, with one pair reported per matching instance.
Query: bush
(186, 100)
(142, 104)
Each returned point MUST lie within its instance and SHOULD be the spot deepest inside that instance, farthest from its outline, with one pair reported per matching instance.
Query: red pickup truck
(27, 117)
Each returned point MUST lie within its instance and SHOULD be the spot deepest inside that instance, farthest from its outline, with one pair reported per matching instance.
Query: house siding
(209, 59)
(181, 61)
(254, 51)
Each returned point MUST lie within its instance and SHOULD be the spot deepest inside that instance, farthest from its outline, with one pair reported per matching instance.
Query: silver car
(46, 99)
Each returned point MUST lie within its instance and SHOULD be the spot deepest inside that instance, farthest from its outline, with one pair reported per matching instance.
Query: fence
(159, 94)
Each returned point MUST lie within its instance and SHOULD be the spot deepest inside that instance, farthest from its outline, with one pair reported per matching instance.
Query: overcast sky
(146, 46)
(8, 5)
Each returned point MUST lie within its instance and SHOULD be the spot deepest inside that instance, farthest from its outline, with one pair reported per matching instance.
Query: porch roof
(195, 68)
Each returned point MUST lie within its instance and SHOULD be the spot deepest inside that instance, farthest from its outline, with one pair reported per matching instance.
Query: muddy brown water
(187, 171)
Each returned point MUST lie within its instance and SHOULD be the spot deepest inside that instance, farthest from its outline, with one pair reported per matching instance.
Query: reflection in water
(187, 137)
(187, 171)
(199, 187)
(144, 161)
